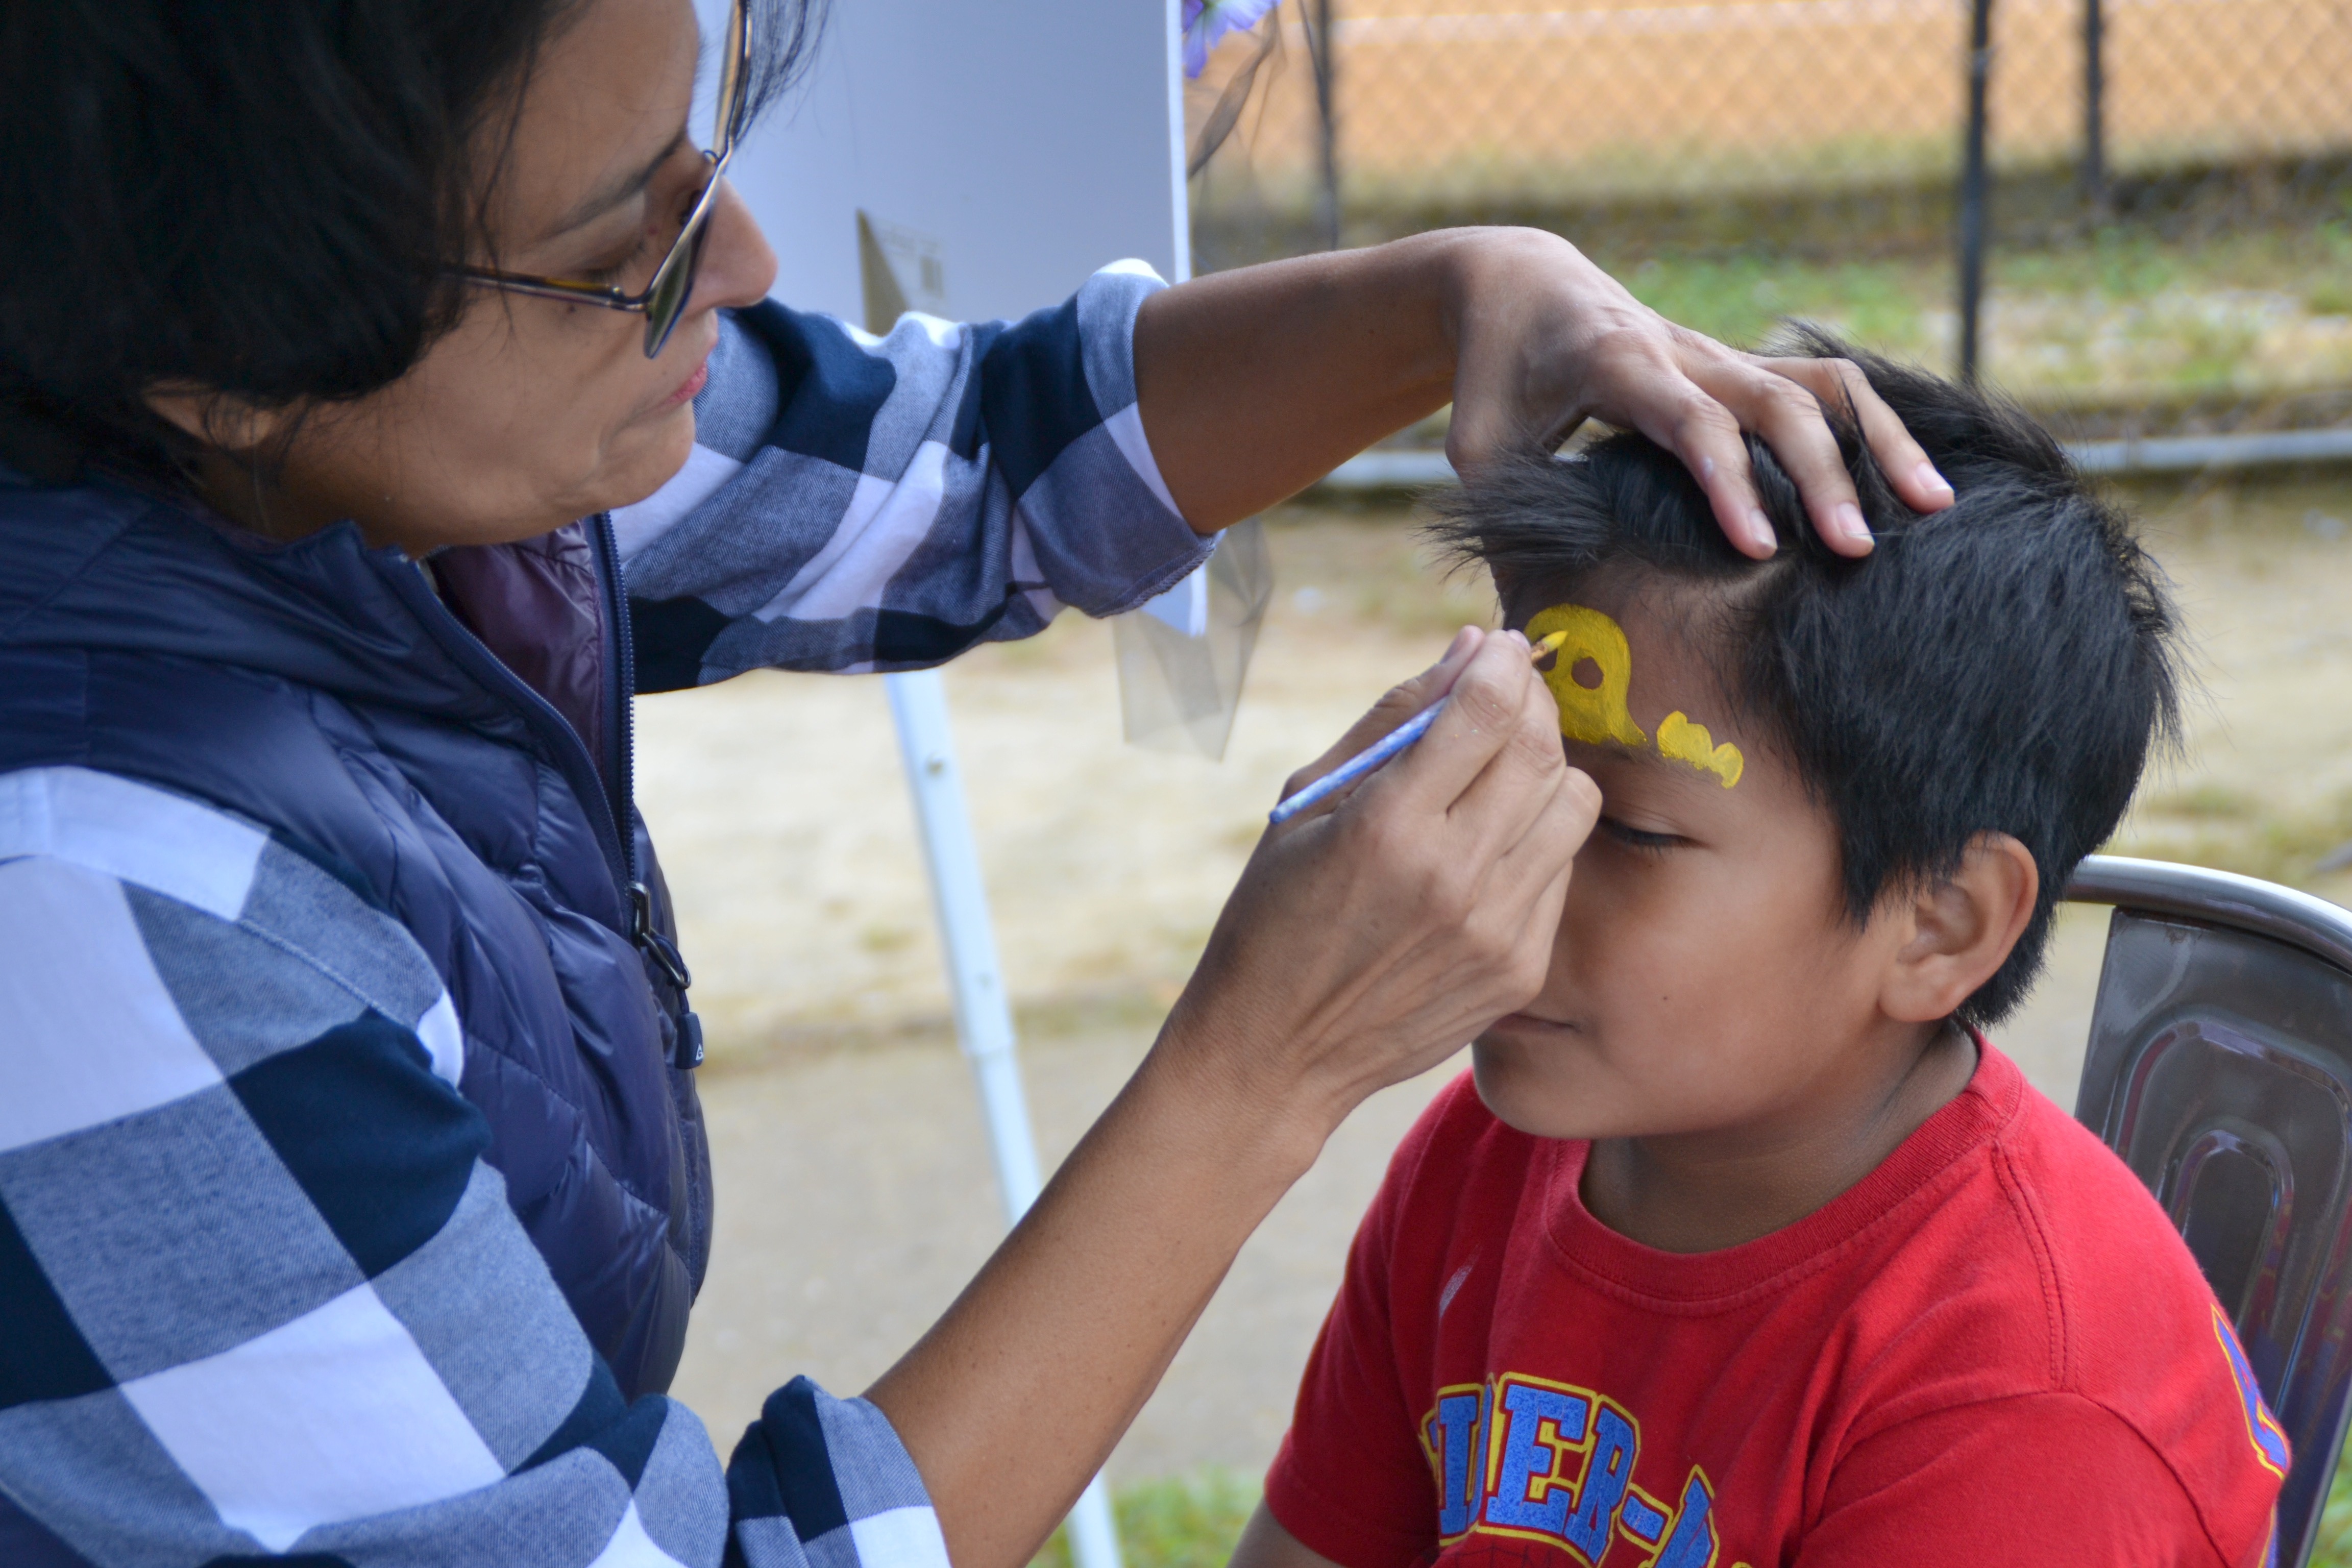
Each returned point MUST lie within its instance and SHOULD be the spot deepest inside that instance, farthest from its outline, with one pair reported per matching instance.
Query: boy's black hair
(2003, 666)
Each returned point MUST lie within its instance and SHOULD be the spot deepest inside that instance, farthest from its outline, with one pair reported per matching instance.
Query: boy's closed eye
(1641, 839)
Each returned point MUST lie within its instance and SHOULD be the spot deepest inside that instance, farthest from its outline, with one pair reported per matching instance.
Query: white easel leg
(983, 1018)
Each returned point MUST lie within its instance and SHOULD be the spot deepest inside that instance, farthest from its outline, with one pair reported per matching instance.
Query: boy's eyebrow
(1650, 760)
(1618, 751)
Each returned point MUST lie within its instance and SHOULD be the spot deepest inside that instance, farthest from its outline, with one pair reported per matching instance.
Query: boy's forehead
(1659, 654)
(1602, 668)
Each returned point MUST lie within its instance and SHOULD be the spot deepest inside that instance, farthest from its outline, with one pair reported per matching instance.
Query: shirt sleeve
(854, 503)
(2047, 1477)
(258, 1290)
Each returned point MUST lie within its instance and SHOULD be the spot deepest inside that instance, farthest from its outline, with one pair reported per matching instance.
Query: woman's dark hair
(259, 200)
(2003, 666)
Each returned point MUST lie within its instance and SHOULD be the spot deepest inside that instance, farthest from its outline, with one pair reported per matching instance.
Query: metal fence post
(2095, 108)
(983, 1016)
(1973, 179)
(1322, 49)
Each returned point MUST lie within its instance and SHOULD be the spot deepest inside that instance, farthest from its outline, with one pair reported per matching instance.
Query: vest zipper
(617, 840)
(642, 929)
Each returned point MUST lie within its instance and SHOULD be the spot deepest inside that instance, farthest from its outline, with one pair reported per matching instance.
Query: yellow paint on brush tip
(1545, 645)
(1592, 713)
(1687, 742)
(1597, 714)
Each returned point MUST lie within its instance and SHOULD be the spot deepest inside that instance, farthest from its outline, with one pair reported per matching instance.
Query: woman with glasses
(353, 355)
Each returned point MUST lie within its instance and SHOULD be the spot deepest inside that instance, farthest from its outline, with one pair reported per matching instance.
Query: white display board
(1003, 151)
(975, 161)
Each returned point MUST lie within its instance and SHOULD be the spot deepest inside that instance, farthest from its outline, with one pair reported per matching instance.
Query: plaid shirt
(258, 1291)
(885, 503)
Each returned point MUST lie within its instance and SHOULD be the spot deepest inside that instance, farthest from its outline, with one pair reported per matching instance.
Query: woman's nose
(738, 268)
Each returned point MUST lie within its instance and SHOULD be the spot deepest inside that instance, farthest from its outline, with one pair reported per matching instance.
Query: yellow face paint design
(1594, 713)
(1687, 742)
(1597, 714)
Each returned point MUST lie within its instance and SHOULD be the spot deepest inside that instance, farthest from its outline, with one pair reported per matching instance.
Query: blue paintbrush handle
(1361, 763)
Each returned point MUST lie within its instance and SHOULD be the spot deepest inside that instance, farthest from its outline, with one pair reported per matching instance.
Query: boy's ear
(1959, 929)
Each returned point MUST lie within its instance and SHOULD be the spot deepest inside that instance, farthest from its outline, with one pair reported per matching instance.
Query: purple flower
(1206, 21)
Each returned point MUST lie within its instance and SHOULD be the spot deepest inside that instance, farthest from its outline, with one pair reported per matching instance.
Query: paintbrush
(1370, 759)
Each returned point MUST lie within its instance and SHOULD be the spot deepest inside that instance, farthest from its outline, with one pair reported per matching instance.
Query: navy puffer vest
(328, 691)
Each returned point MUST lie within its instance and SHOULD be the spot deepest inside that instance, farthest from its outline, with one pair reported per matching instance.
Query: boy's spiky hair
(2007, 665)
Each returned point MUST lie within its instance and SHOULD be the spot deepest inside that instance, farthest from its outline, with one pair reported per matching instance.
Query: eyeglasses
(662, 302)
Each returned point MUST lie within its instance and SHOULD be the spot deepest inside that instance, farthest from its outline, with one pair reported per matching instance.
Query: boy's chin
(1541, 1100)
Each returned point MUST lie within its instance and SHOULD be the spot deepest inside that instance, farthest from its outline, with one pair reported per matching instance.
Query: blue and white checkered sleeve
(258, 1291)
(854, 503)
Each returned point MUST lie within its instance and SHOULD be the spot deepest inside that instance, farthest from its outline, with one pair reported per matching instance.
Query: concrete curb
(1397, 470)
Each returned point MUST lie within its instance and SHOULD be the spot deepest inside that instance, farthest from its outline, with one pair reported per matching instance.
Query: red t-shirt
(1993, 1349)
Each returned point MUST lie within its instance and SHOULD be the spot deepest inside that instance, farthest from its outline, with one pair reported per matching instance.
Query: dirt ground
(854, 1193)
(1637, 95)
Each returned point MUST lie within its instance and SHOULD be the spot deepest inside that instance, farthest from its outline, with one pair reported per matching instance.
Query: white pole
(983, 1018)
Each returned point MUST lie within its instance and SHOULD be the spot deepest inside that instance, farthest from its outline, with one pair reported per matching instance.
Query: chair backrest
(2219, 1069)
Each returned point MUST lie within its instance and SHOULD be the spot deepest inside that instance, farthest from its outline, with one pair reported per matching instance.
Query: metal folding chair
(2220, 1067)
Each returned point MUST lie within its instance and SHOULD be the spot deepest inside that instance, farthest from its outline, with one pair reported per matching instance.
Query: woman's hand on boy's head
(1544, 340)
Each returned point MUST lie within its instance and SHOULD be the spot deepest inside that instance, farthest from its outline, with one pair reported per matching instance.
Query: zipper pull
(650, 942)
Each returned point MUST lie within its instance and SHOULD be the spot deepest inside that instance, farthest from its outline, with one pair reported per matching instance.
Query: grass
(2214, 825)
(1739, 298)
(1178, 1521)
(2332, 1545)
(2125, 315)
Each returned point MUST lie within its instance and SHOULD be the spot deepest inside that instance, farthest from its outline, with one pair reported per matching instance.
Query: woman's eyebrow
(607, 196)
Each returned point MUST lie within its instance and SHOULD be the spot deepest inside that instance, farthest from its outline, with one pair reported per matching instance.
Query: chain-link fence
(2168, 213)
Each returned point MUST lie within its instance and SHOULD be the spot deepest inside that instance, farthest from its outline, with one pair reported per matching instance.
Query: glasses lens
(673, 286)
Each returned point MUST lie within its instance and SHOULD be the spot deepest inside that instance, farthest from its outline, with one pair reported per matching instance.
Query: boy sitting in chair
(1742, 1245)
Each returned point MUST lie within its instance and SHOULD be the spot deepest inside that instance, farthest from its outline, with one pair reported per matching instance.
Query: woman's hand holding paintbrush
(1371, 759)
(1415, 914)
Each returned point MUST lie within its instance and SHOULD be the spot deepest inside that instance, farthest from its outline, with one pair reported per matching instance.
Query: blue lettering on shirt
(1606, 1474)
(1529, 1493)
(1504, 1457)
(1453, 1435)
(1692, 1545)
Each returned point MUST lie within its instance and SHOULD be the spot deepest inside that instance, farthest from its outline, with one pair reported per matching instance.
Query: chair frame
(2244, 906)
(2224, 898)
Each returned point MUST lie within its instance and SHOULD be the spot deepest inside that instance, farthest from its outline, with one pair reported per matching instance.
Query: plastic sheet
(1183, 657)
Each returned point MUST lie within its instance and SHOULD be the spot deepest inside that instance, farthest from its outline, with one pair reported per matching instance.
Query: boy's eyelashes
(1638, 838)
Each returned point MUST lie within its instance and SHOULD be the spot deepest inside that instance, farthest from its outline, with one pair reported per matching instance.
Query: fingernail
(1849, 520)
(1928, 479)
(1760, 529)
(1462, 640)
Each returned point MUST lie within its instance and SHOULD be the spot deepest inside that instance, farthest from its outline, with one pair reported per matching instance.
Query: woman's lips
(691, 386)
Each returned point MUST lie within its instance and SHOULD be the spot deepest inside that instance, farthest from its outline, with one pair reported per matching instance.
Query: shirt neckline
(1729, 1277)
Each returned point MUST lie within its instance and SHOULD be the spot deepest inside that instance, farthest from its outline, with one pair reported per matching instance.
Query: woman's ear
(217, 419)
(1960, 929)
